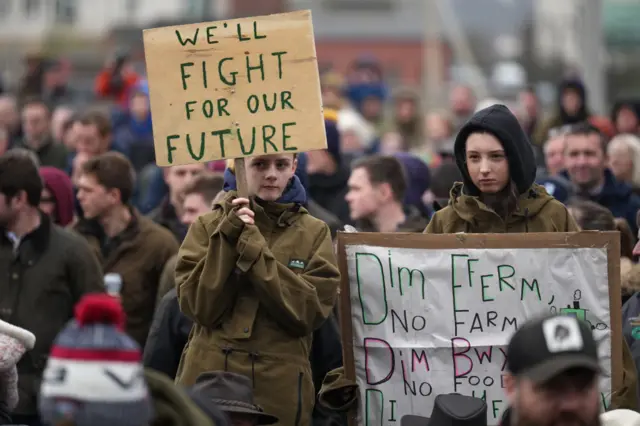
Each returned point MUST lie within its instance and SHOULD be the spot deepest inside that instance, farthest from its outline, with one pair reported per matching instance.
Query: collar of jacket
(93, 228)
(284, 214)
(38, 239)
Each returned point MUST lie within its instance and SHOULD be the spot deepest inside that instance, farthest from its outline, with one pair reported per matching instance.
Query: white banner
(427, 322)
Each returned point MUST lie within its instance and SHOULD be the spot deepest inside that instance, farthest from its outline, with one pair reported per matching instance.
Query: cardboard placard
(423, 315)
(235, 88)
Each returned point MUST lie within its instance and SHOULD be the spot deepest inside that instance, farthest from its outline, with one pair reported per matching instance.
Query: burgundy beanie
(60, 186)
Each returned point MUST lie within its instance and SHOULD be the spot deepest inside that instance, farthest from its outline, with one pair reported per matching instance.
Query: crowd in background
(390, 166)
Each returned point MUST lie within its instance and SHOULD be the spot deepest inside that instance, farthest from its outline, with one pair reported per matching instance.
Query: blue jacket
(558, 187)
(619, 198)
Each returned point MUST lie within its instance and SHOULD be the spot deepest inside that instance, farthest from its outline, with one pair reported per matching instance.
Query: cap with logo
(548, 346)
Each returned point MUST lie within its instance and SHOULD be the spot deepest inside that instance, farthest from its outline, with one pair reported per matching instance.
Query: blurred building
(32, 19)
(391, 31)
(555, 30)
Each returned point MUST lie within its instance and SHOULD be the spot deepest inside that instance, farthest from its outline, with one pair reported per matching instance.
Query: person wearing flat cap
(232, 394)
(452, 409)
(553, 372)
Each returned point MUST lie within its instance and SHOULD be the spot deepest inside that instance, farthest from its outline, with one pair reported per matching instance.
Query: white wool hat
(14, 342)
(620, 418)
(25, 337)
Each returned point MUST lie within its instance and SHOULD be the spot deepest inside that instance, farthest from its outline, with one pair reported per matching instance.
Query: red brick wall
(244, 8)
(401, 59)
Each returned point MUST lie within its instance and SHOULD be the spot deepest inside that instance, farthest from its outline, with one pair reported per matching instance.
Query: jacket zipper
(299, 409)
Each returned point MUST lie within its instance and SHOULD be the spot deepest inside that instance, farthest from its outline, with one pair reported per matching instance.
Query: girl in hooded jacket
(498, 193)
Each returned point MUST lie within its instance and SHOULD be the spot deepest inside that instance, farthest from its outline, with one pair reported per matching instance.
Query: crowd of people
(157, 296)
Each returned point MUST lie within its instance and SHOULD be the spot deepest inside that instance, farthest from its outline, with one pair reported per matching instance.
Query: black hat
(545, 347)
(452, 410)
(232, 393)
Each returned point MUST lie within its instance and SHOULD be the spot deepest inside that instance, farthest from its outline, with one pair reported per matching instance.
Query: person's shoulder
(153, 233)
(634, 199)
(446, 213)
(171, 262)
(210, 220)
(59, 148)
(311, 224)
(443, 221)
(168, 299)
(70, 243)
(67, 236)
(155, 214)
(554, 205)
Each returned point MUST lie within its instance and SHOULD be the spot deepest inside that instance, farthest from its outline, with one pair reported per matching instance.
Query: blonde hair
(632, 143)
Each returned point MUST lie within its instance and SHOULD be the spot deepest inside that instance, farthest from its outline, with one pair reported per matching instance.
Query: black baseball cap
(548, 346)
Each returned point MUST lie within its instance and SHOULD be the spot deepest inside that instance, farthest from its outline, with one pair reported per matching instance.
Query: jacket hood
(579, 88)
(500, 122)
(294, 193)
(57, 181)
(469, 207)
(418, 178)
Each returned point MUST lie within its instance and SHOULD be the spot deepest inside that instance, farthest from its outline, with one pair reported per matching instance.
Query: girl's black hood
(500, 122)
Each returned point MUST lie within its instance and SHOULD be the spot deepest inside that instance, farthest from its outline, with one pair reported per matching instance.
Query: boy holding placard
(258, 275)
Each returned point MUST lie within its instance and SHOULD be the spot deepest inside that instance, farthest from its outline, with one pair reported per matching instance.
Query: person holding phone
(258, 275)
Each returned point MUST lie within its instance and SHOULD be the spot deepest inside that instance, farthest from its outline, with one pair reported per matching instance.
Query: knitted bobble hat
(94, 376)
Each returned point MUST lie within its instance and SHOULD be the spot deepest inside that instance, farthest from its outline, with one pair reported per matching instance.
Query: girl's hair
(626, 237)
(632, 143)
(591, 216)
(594, 217)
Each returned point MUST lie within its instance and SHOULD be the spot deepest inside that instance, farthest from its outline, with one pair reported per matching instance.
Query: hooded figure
(498, 193)
(407, 118)
(572, 109)
(61, 190)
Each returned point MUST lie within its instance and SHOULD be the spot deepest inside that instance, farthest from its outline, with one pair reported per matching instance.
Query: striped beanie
(94, 376)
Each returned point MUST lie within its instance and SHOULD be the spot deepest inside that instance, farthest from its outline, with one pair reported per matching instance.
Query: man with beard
(553, 373)
(45, 271)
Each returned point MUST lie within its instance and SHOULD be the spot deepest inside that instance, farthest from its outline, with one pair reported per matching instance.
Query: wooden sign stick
(241, 178)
